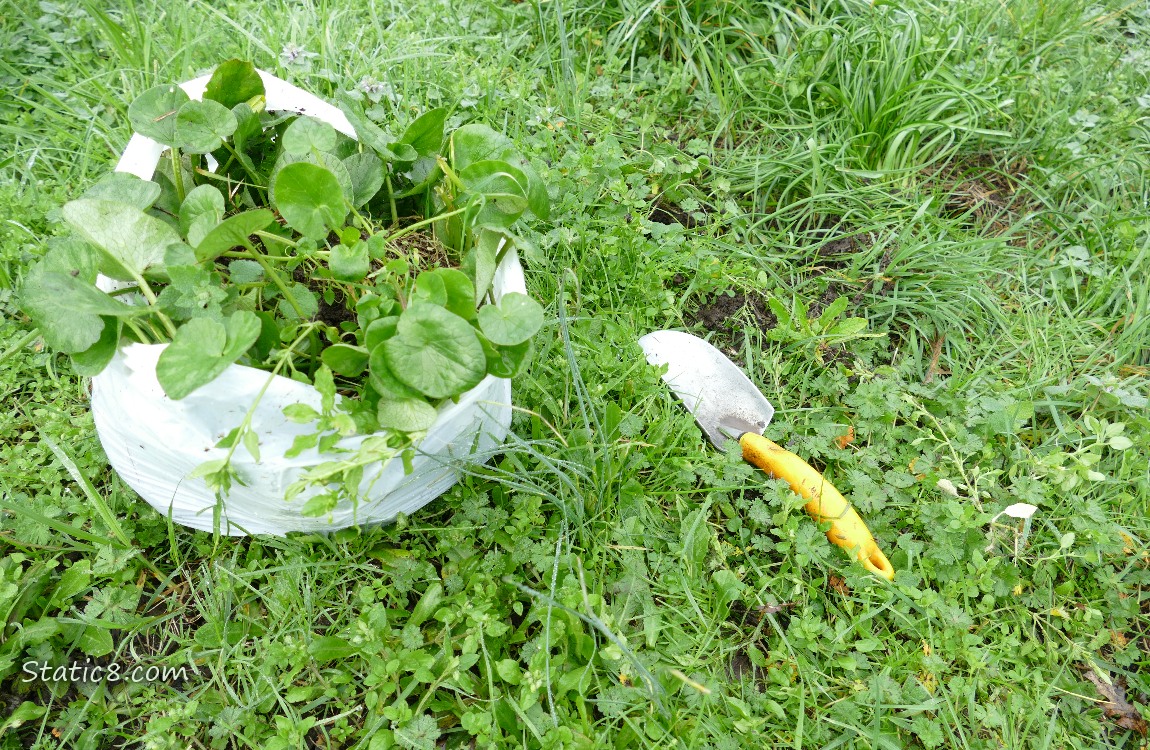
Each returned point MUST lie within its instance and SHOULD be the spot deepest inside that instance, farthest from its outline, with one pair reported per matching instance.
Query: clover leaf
(434, 351)
(310, 199)
(514, 320)
(202, 349)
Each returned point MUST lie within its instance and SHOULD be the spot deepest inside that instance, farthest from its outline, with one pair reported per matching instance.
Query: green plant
(270, 239)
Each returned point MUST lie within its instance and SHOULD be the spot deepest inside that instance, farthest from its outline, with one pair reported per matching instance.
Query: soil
(665, 212)
(726, 314)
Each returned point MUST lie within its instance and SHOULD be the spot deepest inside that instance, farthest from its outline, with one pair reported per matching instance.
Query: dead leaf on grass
(1116, 706)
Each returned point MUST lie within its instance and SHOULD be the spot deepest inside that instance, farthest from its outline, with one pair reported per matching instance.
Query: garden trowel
(727, 405)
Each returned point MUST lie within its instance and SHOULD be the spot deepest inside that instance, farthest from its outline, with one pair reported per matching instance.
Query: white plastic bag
(154, 443)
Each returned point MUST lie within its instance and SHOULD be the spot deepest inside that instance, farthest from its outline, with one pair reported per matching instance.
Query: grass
(970, 177)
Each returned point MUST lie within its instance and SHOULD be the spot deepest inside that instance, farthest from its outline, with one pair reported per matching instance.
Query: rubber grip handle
(825, 503)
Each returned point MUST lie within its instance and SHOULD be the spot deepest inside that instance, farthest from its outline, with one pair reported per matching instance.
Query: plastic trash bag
(154, 443)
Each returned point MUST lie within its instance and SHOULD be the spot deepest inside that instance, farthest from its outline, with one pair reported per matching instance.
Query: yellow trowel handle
(825, 504)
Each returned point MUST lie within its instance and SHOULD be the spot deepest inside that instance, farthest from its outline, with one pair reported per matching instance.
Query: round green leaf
(202, 349)
(383, 380)
(349, 263)
(153, 113)
(507, 361)
(504, 186)
(514, 320)
(307, 133)
(310, 199)
(450, 288)
(203, 200)
(201, 127)
(434, 351)
(425, 134)
(406, 415)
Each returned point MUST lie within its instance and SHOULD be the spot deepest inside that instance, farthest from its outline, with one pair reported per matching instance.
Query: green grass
(971, 177)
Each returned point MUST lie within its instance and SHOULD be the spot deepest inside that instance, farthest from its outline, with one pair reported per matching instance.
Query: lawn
(970, 179)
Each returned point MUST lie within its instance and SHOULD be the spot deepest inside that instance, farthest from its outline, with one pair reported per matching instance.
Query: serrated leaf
(514, 320)
(153, 113)
(329, 647)
(131, 241)
(202, 349)
(300, 413)
(320, 505)
(305, 300)
(434, 351)
(95, 641)
(245, 271)
(233, 82)
(833, 311)
(310, 199)
(73, 581)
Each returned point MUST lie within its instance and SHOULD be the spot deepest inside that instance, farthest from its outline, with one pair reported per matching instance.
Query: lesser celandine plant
(363, 266)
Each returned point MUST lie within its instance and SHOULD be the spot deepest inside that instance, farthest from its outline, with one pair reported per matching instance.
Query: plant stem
(391, 198)
(275, 277)
(144, 338)
(150, 296)
(24, 341)
(177, 176)
(276, 238)
(246, 423)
